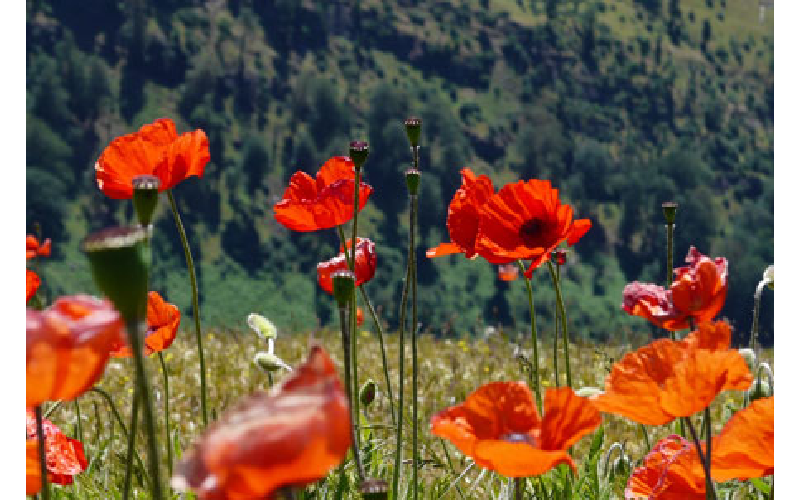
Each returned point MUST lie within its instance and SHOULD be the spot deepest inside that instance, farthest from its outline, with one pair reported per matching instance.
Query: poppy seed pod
(560, 256)
(344, 285)
(145, 197)
(412, 181)
(413, 126)
(120, 259)
(270, 362)
(359, 151)
(367, 393)
(669, 208)
(374, 489)
(263, 327)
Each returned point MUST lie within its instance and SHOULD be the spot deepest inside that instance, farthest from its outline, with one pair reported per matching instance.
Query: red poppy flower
(34, 249)
(527, 221)
(698, 292)
(359, 316)
(156, 149)
(668, 379)
(64, 456)
(508, 272)
(68, 346)
(499, 427)
(463, 215)
(366, 262)
(327, 201)
(668, 473)
(163, 320)
(33, 472)
(292, 435)
(32, 283)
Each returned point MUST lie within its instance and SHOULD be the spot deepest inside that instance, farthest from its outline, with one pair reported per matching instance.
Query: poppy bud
(145, 197)
(263, 327)
(270, 362)
(359, 151)
(560, 256)
(412, 181)
(758, 390)
(374, 489)
(769, 277)
(344, 285)
(750, 358)
(120, 259)
(669, 208)
(621, 466)
(367, 393)
(413, 126)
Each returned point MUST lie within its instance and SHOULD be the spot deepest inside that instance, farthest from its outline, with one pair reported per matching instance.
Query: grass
(450, 369)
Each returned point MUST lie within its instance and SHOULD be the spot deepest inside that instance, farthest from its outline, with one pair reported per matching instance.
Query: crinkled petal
(185, 157)
(567, 418)
(518, 459)
(746, 446)
(668, 473)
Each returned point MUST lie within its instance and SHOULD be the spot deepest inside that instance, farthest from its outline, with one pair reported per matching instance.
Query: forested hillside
(622, 104)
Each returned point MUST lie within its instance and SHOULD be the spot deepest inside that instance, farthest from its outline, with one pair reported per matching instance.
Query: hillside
(622, 104)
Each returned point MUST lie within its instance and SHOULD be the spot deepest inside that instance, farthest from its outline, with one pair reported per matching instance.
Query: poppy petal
(518, 459)
(163, 320)
(567, 418)
(462, 213)
(32, 283)
(33, 471)
(335, 169)
(184, 157)
(746, 446)
(668, 473)
(579, 228)
(443, 249)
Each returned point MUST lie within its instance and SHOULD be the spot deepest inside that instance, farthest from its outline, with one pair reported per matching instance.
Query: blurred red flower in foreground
(698, 292)
(64, 456)
(67, 347)
(163, 320)
(359, 317)
(292, 435)
(527, 221)
(366, 263)
(327, 201)
(34, 249)
(499, 427)
(156, 149)
(667, 473)
(668, 379)
(33, 473)
(508, 272)
(32, 283)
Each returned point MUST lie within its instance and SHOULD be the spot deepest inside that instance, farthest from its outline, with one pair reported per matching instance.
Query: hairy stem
(534, 338)
(398, 454)
(166, 411)
(560, 300)
(414, 331)
(383, 352)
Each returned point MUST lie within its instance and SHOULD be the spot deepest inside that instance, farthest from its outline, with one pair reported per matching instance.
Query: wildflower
(500, 428)
(34, 249)
(32, 283)
(68, 346)
(668, 473)
(64, 456)
(33, 471)
(359, 316)
(292, 435)
(698, 292)
(163, 320)
(366, 263)
(156, 149)
(327, 201)
(668, 379)
(508, 272)
(526, 220)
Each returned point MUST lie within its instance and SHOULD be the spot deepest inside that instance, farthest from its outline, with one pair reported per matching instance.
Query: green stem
(166, 411)
(557, 331)
(42, 459)
(560, 299)
(398, 463)
(670, 232)
(534, 338)
(195, 303)
(53, 408)
(518, 488)
(345, 325)
(710, 493)
(412, 258)
(756, 307)
(135, 331)
(646, 437)
(79, 426)
(383, 351)
(126, 488)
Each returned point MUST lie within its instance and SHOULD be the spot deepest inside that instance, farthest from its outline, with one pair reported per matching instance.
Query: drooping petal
(567, 418)
(746, 446)
(518, 459)
(579, 228)
(443, 249)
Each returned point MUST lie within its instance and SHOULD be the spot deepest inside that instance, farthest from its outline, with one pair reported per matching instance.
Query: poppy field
(128, 407)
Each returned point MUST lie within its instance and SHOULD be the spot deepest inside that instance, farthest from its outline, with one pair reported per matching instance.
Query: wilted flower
(64, 456)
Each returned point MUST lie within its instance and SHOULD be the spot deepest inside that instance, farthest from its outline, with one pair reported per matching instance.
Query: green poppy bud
(263, 327)
(759, 389)
(412, 181)
(270, 362)
(669, 208)
(145, 197)
(769, 277)
(413, 126)
(367, 393)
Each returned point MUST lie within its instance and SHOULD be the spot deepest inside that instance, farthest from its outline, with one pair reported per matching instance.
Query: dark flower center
(532, 232)
(518, 437)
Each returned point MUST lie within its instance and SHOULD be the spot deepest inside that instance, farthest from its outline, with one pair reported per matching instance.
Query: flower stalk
(669, 208)
(383, 352)
(534, 339)
(42, 459)
(166, 411)
(345, 326)
(564, 330)
(704, 459)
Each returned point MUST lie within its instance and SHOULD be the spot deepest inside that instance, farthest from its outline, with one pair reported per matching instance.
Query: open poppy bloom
(163, 320)
(327, 201)
(508, 272)
(68, 346)
(500, 428)
(698, 292)
(34, 249)
(527, 221)
(292, 435)
(156, 149)
(366, 262)
(32, 283)
(33, 471)
(668, 473)
(668, 379)
(64, 456)
(463, 215)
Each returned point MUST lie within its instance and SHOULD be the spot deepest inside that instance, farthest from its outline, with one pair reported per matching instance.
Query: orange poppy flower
(499, 427)
(527, 221)
(359, 317)
(668, 473)
(156, 149)
(163, 320)
(292, 435)
(327, 201)
(68, 346)
(34, 249)
(32, 283)
(508, 272)
(366, 262)
(698, 292)
(64, 456)
(668, 379)
(33, 472)
(463, 215)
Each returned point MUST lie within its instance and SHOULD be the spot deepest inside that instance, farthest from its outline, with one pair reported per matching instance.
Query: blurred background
(622, 104)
